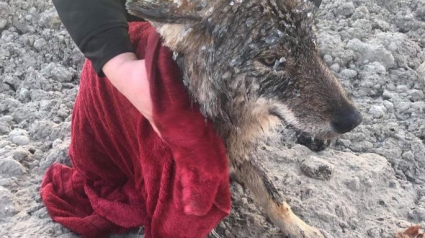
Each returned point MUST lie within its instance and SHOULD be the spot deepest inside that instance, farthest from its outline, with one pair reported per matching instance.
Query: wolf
(252, 65)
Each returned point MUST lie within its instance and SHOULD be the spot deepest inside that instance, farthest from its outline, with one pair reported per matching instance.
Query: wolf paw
(296, 228)
(304, 232)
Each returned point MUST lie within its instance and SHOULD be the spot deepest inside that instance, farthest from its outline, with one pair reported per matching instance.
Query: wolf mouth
(314, 143)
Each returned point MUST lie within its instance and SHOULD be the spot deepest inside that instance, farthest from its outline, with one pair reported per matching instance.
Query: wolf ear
(316, 2)
(161, 12)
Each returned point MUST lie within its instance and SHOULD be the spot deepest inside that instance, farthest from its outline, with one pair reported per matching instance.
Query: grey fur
(251, 64)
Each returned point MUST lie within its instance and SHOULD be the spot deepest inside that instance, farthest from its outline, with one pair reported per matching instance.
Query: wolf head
(250, 63)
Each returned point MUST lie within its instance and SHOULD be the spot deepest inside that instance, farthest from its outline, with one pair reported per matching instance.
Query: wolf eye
(269, 61)
(275, 63)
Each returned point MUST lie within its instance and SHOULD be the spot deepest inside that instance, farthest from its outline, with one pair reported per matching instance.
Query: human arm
(128, 75)
(98, 27)
(100, 30)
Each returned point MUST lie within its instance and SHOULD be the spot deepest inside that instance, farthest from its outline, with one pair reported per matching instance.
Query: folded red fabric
(124, 175)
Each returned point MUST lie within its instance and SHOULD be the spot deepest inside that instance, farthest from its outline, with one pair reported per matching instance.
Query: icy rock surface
(369, 183)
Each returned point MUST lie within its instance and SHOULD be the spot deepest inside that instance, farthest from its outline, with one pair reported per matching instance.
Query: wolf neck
(207, 95)
(237, 121)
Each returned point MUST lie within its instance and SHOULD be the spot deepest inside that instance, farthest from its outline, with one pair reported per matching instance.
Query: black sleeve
(98, 27)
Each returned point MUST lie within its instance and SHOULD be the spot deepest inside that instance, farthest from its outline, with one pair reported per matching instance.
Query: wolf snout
(347, 121)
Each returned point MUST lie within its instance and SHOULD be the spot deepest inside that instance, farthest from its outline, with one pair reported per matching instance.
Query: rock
(348, 73)
(374, 232)
(50, 19)
(19, 137)
(363, 24)
(17, 132)
(346, 9)
(335, 68)
(4, 128)
(353, 183)
(328, 59)
(421, 213)
(3, 23)
(388, 105)
(21, 140)
(11, 168)
(7, 207)
(20, 154)
(58, 72)
(4, 10)
(7, 119)
(9, 104)
(316, 168)
(420, 11)
(402, 107)
(24, 95)
(40, 44)
(13, 82)
(361, 13)
(59, 154)
(345, 143)
(421, 71)
(416, 95)
(371, 53)
(377, 111)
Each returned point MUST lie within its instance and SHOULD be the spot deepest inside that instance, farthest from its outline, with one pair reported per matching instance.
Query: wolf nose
(347, 121)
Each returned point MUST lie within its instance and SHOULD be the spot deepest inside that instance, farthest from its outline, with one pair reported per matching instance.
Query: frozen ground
(371, 181)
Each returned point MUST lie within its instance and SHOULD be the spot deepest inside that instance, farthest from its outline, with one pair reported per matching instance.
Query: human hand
(129, 77)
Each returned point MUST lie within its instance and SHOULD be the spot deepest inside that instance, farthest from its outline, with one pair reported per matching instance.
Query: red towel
(124, 175)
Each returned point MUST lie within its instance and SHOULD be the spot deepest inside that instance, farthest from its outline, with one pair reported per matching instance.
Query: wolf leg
(254, 177)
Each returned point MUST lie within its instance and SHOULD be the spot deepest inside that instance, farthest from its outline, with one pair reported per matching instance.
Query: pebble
(4, 128)
(377, 111)
(11, 168)
(7, 207)
(348, 73)
(353, 184)
(24, 95)
(345, 143)
(361, 13)
(56, 143)
(19, 137)
(372, 52)
(335, 67)
(416, 95)
(328, 59)
(3, 23)
(388, 105)
(347, 9)
(40, 44)
(20, 154)
(21, 140)
(58, 72)
(393, 183)
(7, 118)
(50, 19)
(374, 232)
(17, 132)
(4, 9)
(402, 88)
(403, 106)
(316, 168)
(421, 213)
(421, 71)
(387, 94)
